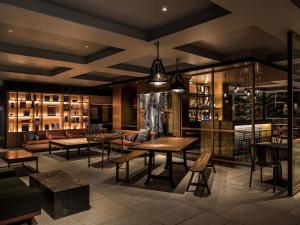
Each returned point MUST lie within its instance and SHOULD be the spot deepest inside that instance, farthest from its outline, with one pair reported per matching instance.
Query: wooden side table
(21, 156)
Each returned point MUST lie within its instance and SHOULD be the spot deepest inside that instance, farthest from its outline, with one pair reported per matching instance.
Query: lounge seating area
(149, 112)
(39, 140)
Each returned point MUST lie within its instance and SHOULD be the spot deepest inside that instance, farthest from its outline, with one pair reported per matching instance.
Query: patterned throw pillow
(130, 138)
(31, 136)
(143, 136)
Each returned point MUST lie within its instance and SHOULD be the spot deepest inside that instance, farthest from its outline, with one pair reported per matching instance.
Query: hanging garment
(154, 105)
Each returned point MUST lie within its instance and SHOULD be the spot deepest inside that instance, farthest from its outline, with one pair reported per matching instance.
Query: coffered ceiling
(98, 42)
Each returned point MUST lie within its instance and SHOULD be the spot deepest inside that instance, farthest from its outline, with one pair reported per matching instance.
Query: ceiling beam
(131, 68)
(203, 52)
(40, 53)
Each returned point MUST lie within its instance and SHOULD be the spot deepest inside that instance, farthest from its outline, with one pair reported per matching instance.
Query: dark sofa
(39, 140)
(17, 201)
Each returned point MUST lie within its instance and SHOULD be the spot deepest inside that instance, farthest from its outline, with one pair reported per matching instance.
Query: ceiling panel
(17, 35)
(141, 14)
(249, 38)
(146, 61)
(107, 77)
(24, 62)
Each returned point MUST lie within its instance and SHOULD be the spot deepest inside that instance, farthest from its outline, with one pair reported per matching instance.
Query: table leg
(170, 168)
(68, 154)
(102, 147)
(89, 155)
(108, 150)
(167, 162)
(37, 165)
(185, 161)
(50, 147)
(150, 165)
(8, 165)
(79, 151)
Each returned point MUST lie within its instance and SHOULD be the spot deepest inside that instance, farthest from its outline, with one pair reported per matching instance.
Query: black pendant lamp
(158, 75)
(178, 86)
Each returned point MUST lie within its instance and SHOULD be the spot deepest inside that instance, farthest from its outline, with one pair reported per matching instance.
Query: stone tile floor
(232, 202)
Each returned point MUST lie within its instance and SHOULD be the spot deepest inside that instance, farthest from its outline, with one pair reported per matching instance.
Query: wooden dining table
(167, 145)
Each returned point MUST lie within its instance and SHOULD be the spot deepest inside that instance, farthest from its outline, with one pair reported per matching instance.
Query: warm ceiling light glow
(10, 31)
(164, 9)
(86, 46)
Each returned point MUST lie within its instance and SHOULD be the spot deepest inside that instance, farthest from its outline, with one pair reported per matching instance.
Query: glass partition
(233, 112)
(197, 109)
(296, 112)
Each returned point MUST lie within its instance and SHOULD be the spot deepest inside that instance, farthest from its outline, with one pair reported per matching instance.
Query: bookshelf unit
(29, 111)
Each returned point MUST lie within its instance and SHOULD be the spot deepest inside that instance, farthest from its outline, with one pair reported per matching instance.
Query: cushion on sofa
(131, 135)
(31, 136)
(41, 135)
(56, 134)
(143, 136)
(76, 133)
(38, 142)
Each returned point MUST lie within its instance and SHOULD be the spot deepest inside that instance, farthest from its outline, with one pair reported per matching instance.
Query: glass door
(294, 112)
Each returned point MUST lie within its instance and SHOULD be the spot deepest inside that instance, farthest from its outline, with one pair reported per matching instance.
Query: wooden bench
(125, 159)
(199, 166)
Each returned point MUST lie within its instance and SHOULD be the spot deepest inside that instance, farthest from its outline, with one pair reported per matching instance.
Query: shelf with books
(42, 111)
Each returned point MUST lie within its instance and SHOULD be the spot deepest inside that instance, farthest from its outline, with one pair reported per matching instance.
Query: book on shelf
(46, 126)
(26, 121)
(66, 107)
(28, 97)
(85, 112)
(51, 110)
(37, 122)
(66, 120)
(66, 98)
(26, 112)
(25, 127)
(46, 98)
(22, 105)
(55, 98)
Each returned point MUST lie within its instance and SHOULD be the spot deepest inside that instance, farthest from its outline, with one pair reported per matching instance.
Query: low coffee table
(20, 156)
(67, 144)
(62, 195)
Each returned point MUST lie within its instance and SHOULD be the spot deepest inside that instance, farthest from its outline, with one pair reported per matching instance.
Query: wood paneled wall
(117, 107)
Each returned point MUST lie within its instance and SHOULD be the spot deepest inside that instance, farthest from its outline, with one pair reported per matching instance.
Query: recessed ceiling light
(164, 9)
(10, 31)
(86, 46)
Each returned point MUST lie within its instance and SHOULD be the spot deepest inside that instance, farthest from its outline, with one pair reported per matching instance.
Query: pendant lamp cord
(157, 49)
